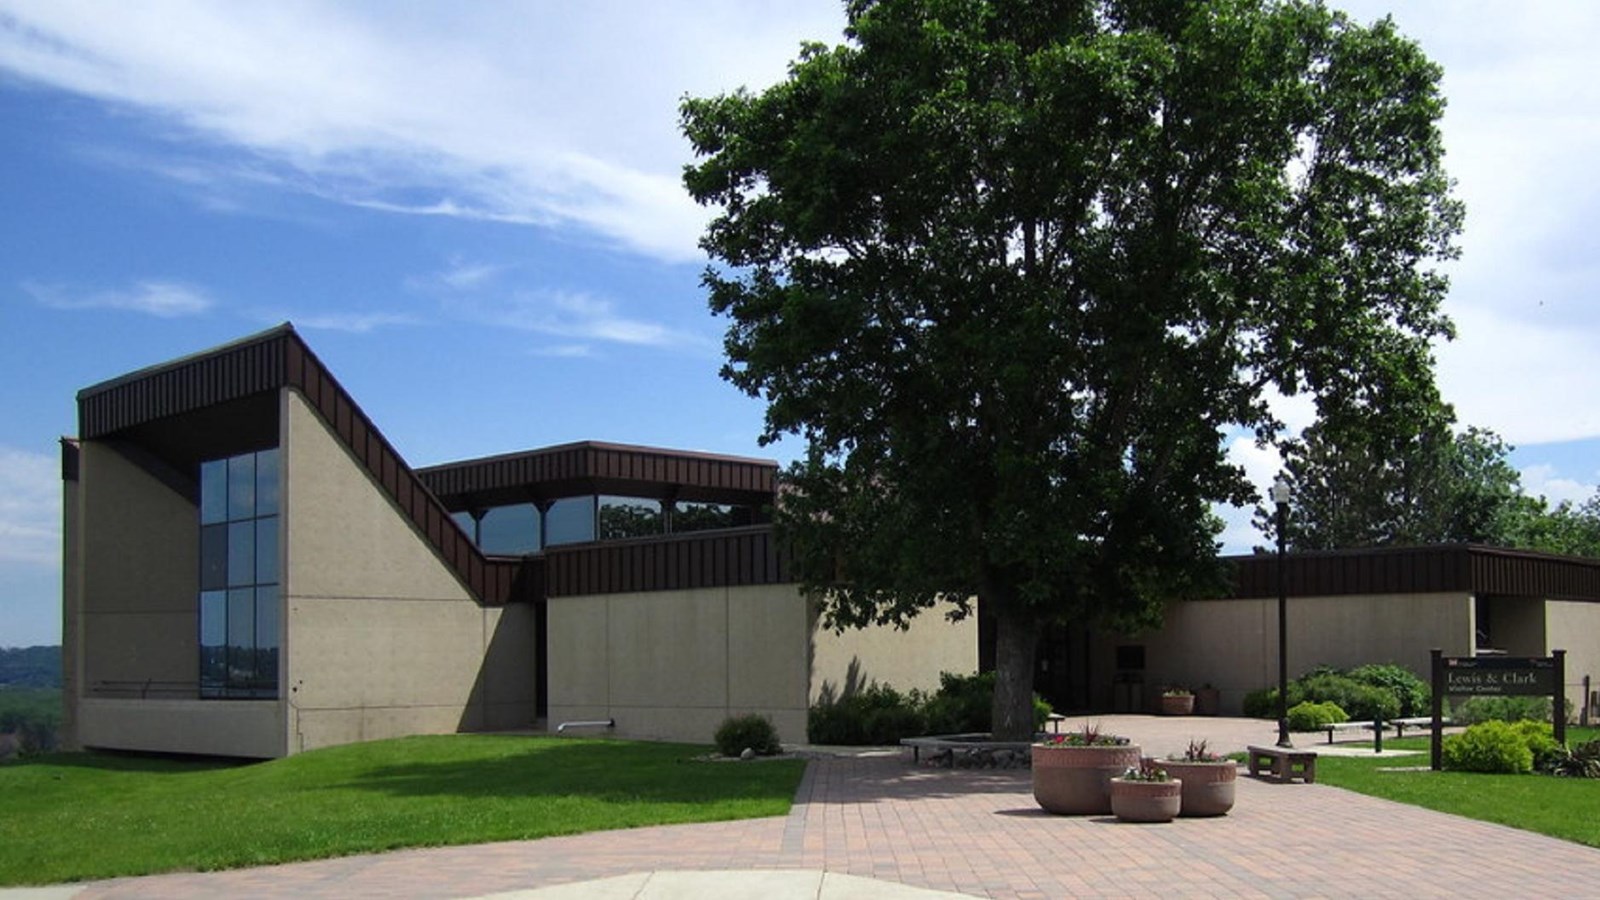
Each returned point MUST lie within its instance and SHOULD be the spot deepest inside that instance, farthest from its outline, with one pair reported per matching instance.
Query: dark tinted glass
(569, 521)
(213, 491)
(509, 530)
(213, 557)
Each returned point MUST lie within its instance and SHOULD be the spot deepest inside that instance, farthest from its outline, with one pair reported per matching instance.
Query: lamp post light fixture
(1280, 497)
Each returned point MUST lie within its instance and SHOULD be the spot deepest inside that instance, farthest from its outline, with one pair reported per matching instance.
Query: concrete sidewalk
(972, 832)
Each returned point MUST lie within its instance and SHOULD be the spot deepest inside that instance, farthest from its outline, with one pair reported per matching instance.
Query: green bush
(845, 720)
(1541, 740)
(1308, 716)
(1492, 746)
(1262, 704)
(881, 715)
(736, 733)
(889, 724)
(964, 703)
(1413, 695)
(1473, 710)
(1360, 701)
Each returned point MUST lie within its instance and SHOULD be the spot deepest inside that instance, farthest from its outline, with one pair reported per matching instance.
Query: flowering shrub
(1088, 736)
(1147, 770)
(1197, 753)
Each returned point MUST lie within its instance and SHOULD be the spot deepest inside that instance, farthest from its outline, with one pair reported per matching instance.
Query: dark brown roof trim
(704, 559)
(279, 358)
(596, 467)
(238, 369)
(1466, 568)
(69, 459)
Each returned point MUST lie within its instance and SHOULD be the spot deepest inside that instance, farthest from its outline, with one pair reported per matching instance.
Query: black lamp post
(1280, 496)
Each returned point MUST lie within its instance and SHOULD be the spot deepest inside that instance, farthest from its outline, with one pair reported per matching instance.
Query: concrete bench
(1283, 764)
(1400, 725)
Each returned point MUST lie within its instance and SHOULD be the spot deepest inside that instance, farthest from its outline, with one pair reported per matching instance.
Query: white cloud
(30, 507)
(352, 322)
(579, 316)
(1530, 377)
(557, 114)
(1544, 481)
(460, 275)
(164, 299)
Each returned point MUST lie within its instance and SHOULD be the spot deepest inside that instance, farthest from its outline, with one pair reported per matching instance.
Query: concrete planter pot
(1177, 704)
(1076, 781)
(1208, 787)
(1146, 801)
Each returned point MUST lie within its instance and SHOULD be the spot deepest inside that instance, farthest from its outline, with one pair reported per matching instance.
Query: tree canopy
(1377, 482)
(1012, 269)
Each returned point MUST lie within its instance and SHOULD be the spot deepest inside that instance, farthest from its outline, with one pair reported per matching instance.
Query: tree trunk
(1016, 639)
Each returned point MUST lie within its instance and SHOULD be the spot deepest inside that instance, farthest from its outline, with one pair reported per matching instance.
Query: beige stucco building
(1351, 608)
(252, 570)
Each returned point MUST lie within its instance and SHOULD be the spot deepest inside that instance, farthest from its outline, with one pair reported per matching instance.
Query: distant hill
(35, 667)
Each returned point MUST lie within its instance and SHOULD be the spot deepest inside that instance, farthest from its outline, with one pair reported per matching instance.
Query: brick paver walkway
(980, 833)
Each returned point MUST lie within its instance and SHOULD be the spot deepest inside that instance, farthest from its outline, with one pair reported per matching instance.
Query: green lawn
(1559, 807)
(68, 817)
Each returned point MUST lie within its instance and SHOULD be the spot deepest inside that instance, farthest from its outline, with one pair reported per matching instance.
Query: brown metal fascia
(587, 462)
(732, 557)
(238, 369)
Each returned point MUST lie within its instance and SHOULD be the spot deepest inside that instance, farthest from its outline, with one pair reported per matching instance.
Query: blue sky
(473, 213)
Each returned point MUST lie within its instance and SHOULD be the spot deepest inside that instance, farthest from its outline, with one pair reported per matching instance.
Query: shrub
(1473, 710)
(882, 715)
(1413, 695)
(753, 731)
(845, 720)
(1262, 704)
(1492, 746)
(1308, 716)
(887, 725)
(1360, 701)
(963, 704)
(1582, 761)
(1541, 740)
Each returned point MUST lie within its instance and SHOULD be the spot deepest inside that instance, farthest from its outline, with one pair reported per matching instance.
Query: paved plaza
(917, 829)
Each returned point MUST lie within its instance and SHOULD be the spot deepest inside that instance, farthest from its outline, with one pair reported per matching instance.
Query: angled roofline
(279, 358)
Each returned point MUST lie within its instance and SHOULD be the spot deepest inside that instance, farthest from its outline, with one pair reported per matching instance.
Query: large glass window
(569, 521)
(509, 530)
(626, 517)
(704, 516)
(239, 634)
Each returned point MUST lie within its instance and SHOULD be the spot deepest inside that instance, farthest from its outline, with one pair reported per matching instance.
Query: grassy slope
(1559, 807)
(71, 817)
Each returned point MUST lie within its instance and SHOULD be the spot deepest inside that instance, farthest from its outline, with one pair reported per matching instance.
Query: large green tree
(1011, 269)
(1398, 480)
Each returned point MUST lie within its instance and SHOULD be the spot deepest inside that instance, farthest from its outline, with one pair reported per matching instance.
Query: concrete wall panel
(138, 584)
(671, 665)
(580, 681)
(669, 648)
(344, 537)
(382, 639)
(1233, 644)
(248, 728)
(1575, 628)
(767, 654)
(901, 659)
